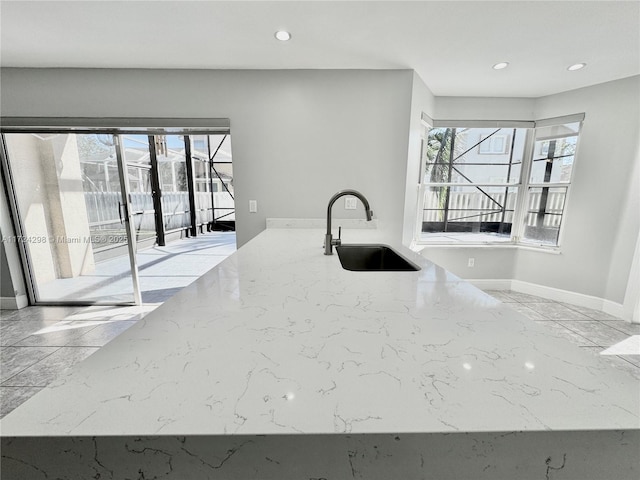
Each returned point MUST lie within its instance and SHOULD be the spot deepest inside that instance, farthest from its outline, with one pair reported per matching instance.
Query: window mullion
(449, 175)
(517, 227)
(420, 186)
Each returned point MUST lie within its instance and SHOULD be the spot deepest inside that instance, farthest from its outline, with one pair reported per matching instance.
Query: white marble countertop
(279, 339)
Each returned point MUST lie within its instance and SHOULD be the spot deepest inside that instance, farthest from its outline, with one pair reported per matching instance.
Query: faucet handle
(337, 241)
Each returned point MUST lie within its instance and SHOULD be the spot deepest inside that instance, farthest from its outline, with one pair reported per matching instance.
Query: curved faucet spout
(328, 238)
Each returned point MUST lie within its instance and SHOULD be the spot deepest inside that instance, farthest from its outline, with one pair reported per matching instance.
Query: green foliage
(438, 153)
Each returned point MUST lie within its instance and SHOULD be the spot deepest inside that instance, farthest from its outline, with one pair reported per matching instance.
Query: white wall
(484, 108)
(602, 222)
(422, 101)
(489, 262)
(13, 291)
(631, 305)
(6, 283)
(603, 219)
(298, 136)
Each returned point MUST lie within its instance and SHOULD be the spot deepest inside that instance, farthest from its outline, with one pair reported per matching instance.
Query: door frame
(115, 126)
(27, 261)
(128, 219)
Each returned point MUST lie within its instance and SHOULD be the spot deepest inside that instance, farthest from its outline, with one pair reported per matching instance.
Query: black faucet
(329, 242)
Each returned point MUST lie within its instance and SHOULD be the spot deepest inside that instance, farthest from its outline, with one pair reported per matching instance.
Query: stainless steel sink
(373, 257)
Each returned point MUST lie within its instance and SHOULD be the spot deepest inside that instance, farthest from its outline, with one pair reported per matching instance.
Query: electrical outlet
(471, 262)
(253, 206)
(350, 203)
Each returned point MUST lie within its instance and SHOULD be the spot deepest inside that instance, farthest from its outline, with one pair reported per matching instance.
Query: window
(493, 144)
(549, 179)
(496, 184)
(470, 190)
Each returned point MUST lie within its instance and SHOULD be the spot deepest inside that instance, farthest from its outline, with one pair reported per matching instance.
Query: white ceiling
(450, 44)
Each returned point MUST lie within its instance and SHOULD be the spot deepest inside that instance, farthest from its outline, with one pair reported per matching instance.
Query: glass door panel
(172, 172)
(71, 213)
(202, 179)
(137, 157)
(222, 176)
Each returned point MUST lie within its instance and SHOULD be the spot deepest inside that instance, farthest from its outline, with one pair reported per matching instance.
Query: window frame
(523, 186)
(528, 184)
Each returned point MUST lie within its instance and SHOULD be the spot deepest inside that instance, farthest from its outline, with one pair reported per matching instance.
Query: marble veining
(477, 456)
(279, 339)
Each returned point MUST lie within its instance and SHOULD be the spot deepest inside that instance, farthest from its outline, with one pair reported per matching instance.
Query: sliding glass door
(174, 182)
(73, 217)
(137, 157)
(87, 201)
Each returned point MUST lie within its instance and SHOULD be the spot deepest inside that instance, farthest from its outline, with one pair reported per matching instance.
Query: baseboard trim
(557, 294)
(14, 303)
(616, 309)
(490, 284)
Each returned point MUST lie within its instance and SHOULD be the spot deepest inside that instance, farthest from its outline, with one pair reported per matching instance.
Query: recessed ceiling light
(501, 65)
(282, 35)
(576, 66)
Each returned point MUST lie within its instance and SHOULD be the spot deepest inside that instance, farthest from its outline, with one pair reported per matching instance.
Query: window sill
(418, 246)
(539, 248)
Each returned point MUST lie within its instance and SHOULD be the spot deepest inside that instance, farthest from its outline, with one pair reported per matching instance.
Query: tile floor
(39, 343)
(591, 330)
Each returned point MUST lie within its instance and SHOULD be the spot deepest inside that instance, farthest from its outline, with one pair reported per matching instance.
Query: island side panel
(579, 455)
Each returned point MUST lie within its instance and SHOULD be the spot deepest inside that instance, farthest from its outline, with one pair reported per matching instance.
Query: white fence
(103, 209)
(466, 206)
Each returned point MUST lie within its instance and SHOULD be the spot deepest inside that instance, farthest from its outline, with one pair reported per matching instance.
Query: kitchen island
(278, 363)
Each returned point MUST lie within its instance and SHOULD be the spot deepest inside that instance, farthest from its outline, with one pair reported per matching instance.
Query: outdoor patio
(162, 271)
